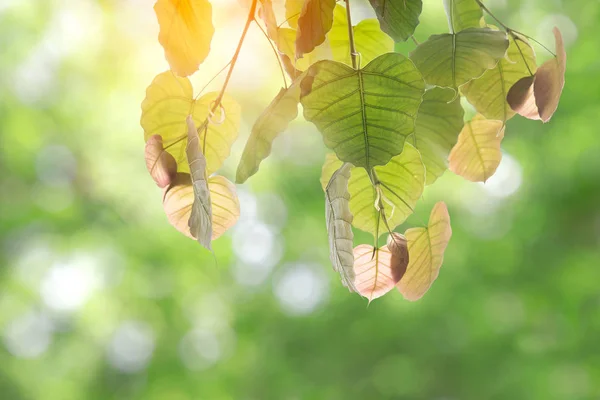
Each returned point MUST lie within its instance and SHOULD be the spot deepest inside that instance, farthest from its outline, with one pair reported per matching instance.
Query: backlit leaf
(339, 225)
(451, 60)
(364, 115)
(293, 8)
(463, 14)
(286, 43)
(477, 154)
(426, 247)
(439, 122)
(160, 164)
(186, 31)
(314, 22)
(267, 14)
(398, 18)
(332, 164)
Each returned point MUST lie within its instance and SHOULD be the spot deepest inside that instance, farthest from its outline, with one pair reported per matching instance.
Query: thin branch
(484, 8)
(274, 52)
(353, 52)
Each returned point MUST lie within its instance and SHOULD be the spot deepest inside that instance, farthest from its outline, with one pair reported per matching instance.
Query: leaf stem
(484, 8)
(274, 52)
(353, 52)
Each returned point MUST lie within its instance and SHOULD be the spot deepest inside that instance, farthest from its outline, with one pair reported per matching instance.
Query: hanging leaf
(293, 8)
(364, 115)
(314, 22)
(178, 200)
(369, 39)
(426, 247)
(398, 18)
(463, 14)
(332, 164)
(538, 97)
(451, 60)
(477, 154)
(398, 186)
(339, 225)
(161, 165)
(169, 100)
(200, 221)
(378, 270)
(286, 44)
(186, 31)
(273, 121)
(439, 122)
(267, 14)
(488, 93)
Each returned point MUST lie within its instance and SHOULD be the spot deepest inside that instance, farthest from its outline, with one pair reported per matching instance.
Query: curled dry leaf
(314, 22)
(160, 164)
(426, 247)
(537, 97)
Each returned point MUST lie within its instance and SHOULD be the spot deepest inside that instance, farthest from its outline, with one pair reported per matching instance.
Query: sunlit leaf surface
(314, 22)
(160, 164)
(463, 14)
(398, 18)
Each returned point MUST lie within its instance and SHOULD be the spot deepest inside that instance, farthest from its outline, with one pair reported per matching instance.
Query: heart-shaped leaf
(398, 18)
(463, 14)
(314, 22)
(161, 165)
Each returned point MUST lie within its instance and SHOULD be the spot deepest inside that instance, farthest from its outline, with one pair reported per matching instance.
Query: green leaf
(273, 121)
(398, 186)
(451, 60)
(488, 93)
(286, 44)
(438, 125)
(339, 225)
(200, 221)
(314, 22)
(364, 115)
(463, 14)
(398, 18)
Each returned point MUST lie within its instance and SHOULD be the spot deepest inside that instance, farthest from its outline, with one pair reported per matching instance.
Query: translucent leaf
(364, 115)
(477, 154)
(169, 100)
(186, 31)
(339, 225)
(286, 43)
(200, 221)
(160, 164)
(439, 122)
(398, 186)
(463, 14)
(273, 121)
(538, 97)
(378, 270)
(332, 164)
(488, 93)
(267, 14)
(398, 18)
(314, 22)
(293, 8)
(451, 60)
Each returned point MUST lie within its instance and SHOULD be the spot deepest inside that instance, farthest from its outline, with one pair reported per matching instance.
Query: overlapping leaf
(364, 115)
(314, 22)
(160, 164)
(286, 44)
(331, 164)
(293, 8)
(453, 59)
(463, 14)
(426, 247)
(186, 31)
(398, 18)
(267, 14)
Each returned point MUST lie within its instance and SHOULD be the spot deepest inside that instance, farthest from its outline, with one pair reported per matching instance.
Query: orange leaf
(161, 165)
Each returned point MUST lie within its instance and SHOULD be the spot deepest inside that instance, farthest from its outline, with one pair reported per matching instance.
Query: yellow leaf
(186, 31)
(286, 43)
(314, 22)
(161, 165)
(477, 154)
(293, 8)
(332, 164)
(426, 247)
(267, 14)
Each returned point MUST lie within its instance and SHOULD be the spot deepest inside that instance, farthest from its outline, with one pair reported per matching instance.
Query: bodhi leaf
(314, 22)
(364, 115)
(426, 247)
(463, 14)
(179, 198)
(488, 93)
(286, 43)
(267, 14)
(538, 97)
(293, 8)
(369, 39)
(398, 186)
(161, 165)
(332, 164)
(274, 120)
(398, 18)
(186, 31)
(378, 270)
(169, 100)
(439, 122)
(339, 225)
(477, 154)
(453, 59)
(200, 221)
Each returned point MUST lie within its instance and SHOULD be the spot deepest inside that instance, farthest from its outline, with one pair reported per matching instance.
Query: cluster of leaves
(394, 123)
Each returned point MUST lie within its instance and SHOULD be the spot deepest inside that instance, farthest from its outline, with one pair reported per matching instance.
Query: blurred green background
(100, 298)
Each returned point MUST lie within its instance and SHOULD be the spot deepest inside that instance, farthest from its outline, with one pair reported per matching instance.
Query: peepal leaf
(426, 247)
(378, 270)
(398, 18)
(477, 154)
(453, 59)
(364, 115)
(286, 44)
(339, 225)
(331, 164)
(267, 14)
(314, 22)
(538, 97)
(160, 164)
(463, 14)
(200, 221)
(438, 125)
(293, 8)
(186, 31)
